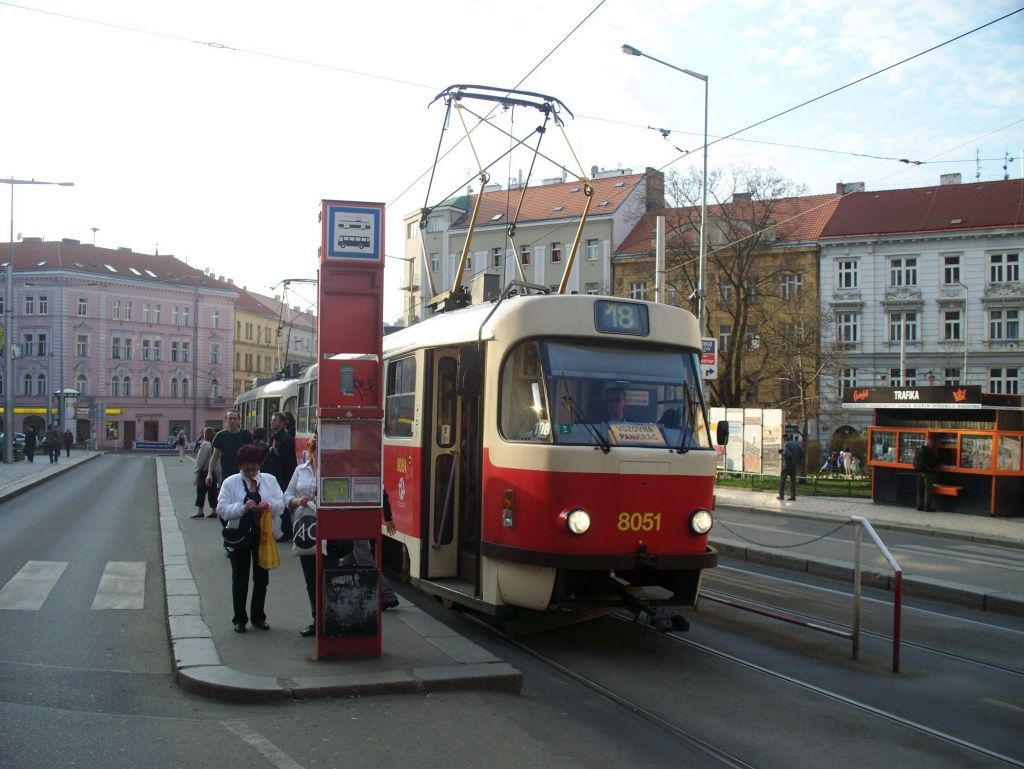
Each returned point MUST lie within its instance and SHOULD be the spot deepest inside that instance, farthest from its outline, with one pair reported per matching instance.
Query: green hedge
(830, 485)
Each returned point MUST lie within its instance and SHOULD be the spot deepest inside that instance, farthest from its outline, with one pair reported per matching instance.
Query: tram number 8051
(639, 522)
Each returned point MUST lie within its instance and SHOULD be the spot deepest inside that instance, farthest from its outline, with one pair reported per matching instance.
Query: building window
(248, 331)
(145, 387)
(174, 315)
(792, 282)
(174, 352)
(525, 254)
(146, 312)
(435, 224)
(951, 376)
(638, 289)
(127, 348)
(1004, 268)
(849, 327)
(115, 386)
(156, 314)
(556, 253)
(435, 262)
(847, 380)
(592, 246)
(909, 378)
(1004, 381)
(951, 269)
(184, 387)
(724, 289)
(41, 346)
(174, 387)
(44, 306)
(26, 385)
(724, 335)
(496, 257)
(30, 305)
(116, 310)
(215, 318)
(26, 344)
(147, 349)
(127, 309)
(157, 353)
(214, 388)
(82, 346)
(156, 387)
(591, 289)
(83, 307)
(41, 388)
(900, 322)
(1003, 325)
(847, 276)
(186, 316)
(126, 387)
(903, 271)
(184, 352)
(215, 352)
(82, 384)
(951, 325)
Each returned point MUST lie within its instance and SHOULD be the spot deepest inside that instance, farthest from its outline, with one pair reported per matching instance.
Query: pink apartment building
(118, 346)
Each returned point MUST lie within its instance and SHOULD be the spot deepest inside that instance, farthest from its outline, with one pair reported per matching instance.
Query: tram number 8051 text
(639, 522)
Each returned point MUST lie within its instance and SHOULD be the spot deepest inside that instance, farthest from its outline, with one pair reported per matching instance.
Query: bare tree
(743, 267)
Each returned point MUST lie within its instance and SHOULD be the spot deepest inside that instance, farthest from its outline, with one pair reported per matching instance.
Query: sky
(212, 129)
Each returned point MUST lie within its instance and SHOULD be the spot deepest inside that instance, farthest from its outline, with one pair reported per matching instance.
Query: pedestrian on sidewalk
(206, 491)
(181, 442)
(249, 492)
(226, 444)
(280, 461)
(68, 440)
(53, 442)
(925, 462)
(792, 457)
(302, 492)
(30, 444)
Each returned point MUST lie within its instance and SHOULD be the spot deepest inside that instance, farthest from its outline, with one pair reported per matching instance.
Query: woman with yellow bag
(251, 503)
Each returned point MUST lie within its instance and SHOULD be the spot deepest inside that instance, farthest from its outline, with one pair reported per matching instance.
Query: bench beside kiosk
(978, 438)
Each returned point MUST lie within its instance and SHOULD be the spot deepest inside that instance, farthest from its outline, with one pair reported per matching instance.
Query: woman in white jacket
(249, 493)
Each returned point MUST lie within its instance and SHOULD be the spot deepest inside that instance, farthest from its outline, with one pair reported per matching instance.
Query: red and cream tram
(550, 452)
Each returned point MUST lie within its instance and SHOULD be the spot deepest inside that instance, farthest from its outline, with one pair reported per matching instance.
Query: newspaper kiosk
(977, 436)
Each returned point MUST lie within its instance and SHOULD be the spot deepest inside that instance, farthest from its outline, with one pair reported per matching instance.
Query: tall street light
(9, 325)
(628, 49)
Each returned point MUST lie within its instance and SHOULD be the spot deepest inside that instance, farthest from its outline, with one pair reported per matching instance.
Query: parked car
(19, 440)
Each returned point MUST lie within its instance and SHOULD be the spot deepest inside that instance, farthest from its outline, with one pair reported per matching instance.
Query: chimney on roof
(231, 281)
(71, 241)
(654, 181)
(741, 197)
(949, 179)
(32, 239)
(847, 188)
(296, 308)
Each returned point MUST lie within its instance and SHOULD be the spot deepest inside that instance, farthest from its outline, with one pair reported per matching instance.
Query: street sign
(709, 359)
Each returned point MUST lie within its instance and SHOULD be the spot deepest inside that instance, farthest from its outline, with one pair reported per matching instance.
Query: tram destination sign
(913, 398)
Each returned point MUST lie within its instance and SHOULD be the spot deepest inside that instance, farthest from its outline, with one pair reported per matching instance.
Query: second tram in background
(548, 453)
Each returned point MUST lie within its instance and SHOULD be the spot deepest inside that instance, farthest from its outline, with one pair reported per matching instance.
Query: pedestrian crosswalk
(121, 586)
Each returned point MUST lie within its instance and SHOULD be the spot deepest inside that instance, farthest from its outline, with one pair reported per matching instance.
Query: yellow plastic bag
(267, 556)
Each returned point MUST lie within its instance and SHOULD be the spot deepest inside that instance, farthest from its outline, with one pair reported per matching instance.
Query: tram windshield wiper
(577, 415)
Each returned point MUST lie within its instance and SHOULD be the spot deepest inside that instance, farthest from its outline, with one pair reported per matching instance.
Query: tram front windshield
(582, 393)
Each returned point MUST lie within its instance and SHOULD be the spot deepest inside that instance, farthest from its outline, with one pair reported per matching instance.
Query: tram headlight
(701, 521)
(576, 520)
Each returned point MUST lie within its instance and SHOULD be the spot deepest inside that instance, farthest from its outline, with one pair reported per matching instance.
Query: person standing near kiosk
(925, 462)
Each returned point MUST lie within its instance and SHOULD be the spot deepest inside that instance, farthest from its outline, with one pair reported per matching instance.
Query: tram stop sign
(709, 359)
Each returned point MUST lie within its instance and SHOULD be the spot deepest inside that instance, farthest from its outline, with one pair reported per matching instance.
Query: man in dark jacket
(280, 462)
(925, 462)
(792, 457)
(30, 444)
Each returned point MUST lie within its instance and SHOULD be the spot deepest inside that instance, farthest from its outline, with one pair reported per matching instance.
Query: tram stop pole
(350, 420)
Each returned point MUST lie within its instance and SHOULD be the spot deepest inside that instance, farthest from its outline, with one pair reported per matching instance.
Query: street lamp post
(9, 325)
(963, 374)
(628, 49)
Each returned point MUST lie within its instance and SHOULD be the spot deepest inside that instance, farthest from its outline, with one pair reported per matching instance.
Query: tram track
(844, 700)
(724, 757)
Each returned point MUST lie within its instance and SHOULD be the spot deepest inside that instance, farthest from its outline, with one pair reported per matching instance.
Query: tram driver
(615, 403)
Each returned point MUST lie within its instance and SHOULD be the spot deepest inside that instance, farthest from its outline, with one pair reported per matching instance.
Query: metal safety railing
(860, 525)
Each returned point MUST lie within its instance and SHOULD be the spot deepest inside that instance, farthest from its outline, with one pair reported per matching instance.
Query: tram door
(453, 466)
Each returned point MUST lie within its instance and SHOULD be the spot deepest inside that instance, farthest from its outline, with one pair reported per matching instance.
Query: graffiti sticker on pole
(709, 359)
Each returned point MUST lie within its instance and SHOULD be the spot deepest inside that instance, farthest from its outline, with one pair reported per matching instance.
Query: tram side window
(524, 411)
(400, 398)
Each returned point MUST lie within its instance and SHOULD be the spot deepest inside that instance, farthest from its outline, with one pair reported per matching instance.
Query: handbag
(267, 556)
(304, 530)
(246, 535)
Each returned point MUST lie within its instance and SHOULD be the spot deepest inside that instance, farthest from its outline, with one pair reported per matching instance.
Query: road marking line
(29, 588)
(265, 747)
(122, 586)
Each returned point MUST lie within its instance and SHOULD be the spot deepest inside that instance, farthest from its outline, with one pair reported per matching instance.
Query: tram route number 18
(621, 318)
(639, 522)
